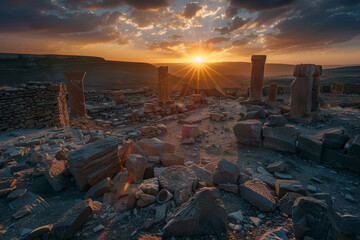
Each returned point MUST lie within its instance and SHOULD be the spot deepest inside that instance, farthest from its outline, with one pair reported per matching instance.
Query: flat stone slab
(248, 132)
(283, 186)
(100, 188)
(258, 194)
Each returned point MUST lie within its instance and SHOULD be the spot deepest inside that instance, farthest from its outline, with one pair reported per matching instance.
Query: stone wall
(34, 105)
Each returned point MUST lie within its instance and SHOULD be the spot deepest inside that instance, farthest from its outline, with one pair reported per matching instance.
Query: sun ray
(183, 77)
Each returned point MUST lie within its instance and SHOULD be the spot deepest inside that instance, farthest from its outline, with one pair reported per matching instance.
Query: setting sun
(198, 59)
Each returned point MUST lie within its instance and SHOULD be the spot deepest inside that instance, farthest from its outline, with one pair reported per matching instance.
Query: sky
(323, 32)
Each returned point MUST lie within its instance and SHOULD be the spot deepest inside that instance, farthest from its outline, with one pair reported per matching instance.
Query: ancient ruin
(257, 77)
(75, 85)
(206, 163)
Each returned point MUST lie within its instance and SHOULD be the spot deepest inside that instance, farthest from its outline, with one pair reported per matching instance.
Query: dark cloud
(191, 9)
(217, 40)
(235, 24)
(147, 18)
(258, 5)
(107, 4)
(317, 26)
(107, 34)
(175, 37)
(231, 12)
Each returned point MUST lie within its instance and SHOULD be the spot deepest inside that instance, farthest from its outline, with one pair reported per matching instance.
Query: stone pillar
(301, 90)
(272, 92)
(257, 77)
(75, 86)
(316, 89)
(163, 84)
(118, 97)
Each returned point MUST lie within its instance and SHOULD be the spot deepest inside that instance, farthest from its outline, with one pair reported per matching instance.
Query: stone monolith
(75, 86)
(257, 77)
(163, 84)
(273, 93)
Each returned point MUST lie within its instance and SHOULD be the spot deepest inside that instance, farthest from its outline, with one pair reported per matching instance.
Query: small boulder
(278, 166)
(136, 165)
(283, 186)
(225, 172)
(258, 194)
(203, 214)
(170, 159)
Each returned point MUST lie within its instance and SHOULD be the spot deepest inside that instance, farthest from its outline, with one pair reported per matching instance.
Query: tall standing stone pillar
(163, 85)
(75, 86)
(257, 77)
(272, 92)
(316, 89)
(301, 90)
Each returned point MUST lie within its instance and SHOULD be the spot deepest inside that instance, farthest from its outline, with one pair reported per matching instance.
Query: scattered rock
(39, 232)
(202, 214)
(149, 223)
(56, 176)
(238, 216)
(136, 165)
(283, 186)
(100, 188)
(150, 186)
(16, 194)
(248, 132)
(255, 220)
(155, 147)
(160, 212)
(287, 201)
(73, 220)
(99, 228)
(225, 172)
(178, 177)
(169, 159)
(202, 174)
(278, 166)
(258, 194)
(145, 200)
(233, 188)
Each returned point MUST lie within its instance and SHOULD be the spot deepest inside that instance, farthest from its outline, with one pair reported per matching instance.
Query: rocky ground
(233, 205)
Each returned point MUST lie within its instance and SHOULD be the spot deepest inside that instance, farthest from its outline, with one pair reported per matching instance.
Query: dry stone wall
(34, 105)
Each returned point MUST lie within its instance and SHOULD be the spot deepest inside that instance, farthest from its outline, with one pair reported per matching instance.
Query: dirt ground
(217, 142)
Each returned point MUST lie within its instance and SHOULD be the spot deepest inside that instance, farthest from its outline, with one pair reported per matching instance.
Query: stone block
(155, 147)
(310, 147)
(338, 159)
(280, 138)
(305, 70)
(335, 141)
(190, 131)
(248, 132)
(100, 188)
(282, 186)
(136, 165)
(258, 194)
(225, 172)
(301, 94)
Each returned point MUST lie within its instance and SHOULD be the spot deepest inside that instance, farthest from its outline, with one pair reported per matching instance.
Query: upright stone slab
(118, 97)
(75, 85)
(273, 93)
(315, 95)
(257, 77)
(163, 84)
(301, 90)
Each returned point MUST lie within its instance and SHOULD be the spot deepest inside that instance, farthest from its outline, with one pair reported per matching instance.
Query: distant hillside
(21, 68)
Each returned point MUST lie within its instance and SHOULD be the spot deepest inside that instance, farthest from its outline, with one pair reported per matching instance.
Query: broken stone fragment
(202, 174)
(150, 186)
(136, 165)
(169, 159)
(155, 147)
(100, 188)
(56, 175)
(7, 186)
(188, 141)
(39, 232)
(145, 200)
(149, 223)
(278, 166)
(178, 177)
(283, 186)
(248, 132)
(266, 178)
(148, 130)
(73, 220)
(203, 214)
(258, 194)
(160, 212)
(259, 114)
(225, 172)
(182, 196)
(286, 203)
(238, 216)
(16, 194)
(218, 117)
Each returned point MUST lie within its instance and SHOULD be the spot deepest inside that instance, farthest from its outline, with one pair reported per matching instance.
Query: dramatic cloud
(231, 12)
(321, 25)
(236, 23)
(175, 37)
(101, 4)
(217, 40)
(258, 5)
(191, 9)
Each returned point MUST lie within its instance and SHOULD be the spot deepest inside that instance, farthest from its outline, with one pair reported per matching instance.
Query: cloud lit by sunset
(178, 31)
